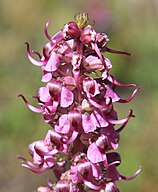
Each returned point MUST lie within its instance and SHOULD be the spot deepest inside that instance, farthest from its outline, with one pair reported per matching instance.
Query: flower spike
(78, 103)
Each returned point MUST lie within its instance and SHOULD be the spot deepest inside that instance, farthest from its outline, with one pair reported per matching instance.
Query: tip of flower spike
(81, 19)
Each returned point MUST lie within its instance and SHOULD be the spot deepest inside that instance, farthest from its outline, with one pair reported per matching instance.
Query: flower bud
(88, 35)
(71, 29)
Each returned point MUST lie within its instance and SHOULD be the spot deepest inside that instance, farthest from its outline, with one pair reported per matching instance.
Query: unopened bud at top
(81, 19)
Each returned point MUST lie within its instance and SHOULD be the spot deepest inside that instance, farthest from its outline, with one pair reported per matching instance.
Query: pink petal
(37, 159)
(133, 176)
(91, 185)
(111, 94)
(130, 98)
(57, 37)
(120, 121)
(46, 77)
(75, 175)
(98, 120)
(49, 161)
(92, 63)
(46, 31)
(52, 63)
(64, 125)
(95, 46)
(70, 82)
(115, 51)
(32, 108)
(96, 170)
(94, 154)
(90, 86)
(87, 123)
(112, 173)
(108, 63)
(111, 79)
(100, 106)
(73, 137)
(66, 97)
(43, 94)
(35, 170)
(33, 61)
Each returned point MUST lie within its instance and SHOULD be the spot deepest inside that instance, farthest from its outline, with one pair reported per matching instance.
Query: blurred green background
(132, 26)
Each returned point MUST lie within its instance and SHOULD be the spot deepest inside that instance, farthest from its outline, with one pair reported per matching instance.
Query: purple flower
(78, 102)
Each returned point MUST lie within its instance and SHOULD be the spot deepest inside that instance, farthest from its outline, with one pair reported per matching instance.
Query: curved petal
(112, 80)
(37, 53)
(99, 106)
(115, 51)
(124, 124)
(131, 177)
(35, 167)
(91, 185)
(46, 31)
(99, 55)
(34, 109)
(73, 137)
(29, 164)
(131, 97)
(113, 121)
(33, 61)
(35, 170)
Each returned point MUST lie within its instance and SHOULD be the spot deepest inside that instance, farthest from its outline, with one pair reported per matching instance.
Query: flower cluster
(77, 102)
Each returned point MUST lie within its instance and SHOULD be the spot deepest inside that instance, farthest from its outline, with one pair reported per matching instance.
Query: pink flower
(85, 171)
(42, 160)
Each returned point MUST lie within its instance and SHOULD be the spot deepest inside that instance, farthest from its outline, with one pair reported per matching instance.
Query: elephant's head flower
(78, 102)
